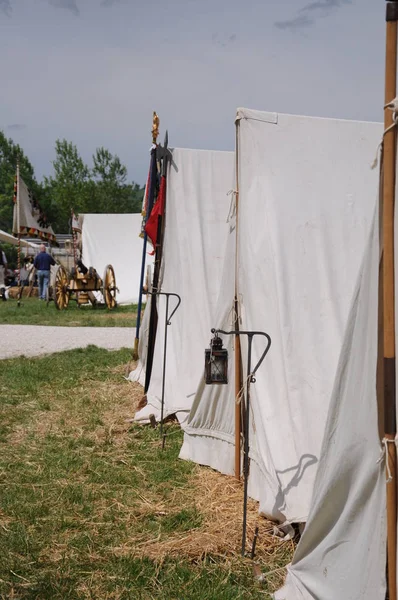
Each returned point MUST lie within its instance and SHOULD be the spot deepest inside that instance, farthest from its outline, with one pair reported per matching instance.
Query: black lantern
(216, 361)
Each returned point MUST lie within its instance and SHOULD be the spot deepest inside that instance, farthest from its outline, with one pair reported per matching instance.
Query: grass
(90, 506)
(34, 312)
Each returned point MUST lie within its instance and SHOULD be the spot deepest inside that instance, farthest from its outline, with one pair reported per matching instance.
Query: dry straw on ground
(219, 500)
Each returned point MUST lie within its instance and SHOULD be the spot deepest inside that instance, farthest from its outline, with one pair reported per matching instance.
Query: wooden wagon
(81, 285)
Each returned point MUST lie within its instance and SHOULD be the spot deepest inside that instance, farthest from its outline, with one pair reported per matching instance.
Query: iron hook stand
(167, 322)
(250, 379)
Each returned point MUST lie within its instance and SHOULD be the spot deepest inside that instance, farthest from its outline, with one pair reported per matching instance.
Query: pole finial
(155, 127)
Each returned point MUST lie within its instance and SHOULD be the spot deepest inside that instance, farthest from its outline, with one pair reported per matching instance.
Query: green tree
(113, 193)
(70, 187)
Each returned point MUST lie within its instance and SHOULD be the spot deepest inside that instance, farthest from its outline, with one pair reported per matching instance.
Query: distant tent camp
(114, 239)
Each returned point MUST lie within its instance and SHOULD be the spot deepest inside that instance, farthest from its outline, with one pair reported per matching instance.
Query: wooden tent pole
(238, 355)
(389, 151)
(19, 235)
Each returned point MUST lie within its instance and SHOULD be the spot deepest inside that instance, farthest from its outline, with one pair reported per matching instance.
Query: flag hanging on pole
(29, 219)
(151, 226)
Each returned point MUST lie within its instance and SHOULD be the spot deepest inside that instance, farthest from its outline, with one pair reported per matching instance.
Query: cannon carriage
(82, 284)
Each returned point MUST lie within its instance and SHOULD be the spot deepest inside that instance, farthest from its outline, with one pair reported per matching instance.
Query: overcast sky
(92, 71)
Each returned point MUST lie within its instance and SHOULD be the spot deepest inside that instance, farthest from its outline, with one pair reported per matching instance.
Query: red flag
(151, 227)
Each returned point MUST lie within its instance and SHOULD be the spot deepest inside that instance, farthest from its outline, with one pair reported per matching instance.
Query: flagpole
(153, 321)
(388, 199)
(150, 192)
(19, 236)
(238, 355)
(73, 239)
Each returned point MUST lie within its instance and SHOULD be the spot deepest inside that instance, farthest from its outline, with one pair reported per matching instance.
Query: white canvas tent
(342, 553)
(196, 232)
(114, 239)
(10, 239)
(306, 202)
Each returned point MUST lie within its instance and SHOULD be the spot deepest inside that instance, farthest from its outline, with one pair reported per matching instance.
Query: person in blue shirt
(42, 263)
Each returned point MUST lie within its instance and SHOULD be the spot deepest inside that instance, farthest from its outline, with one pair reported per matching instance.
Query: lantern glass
(216, 366)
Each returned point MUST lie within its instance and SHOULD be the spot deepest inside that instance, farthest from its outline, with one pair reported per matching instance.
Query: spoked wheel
(109, 287)
(61, 291)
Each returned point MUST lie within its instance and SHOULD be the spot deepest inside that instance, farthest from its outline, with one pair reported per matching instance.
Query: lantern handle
(250, 335)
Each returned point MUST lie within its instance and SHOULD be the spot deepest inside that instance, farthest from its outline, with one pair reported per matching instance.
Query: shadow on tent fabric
(306, 461)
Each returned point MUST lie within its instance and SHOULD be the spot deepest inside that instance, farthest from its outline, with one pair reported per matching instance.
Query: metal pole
(150, 190)
(389, 151)
(166, 322)
(246, 443)
(138, 324)
(250, 379)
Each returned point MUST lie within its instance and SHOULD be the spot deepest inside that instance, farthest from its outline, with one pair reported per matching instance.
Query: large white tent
(342, 553)
(114, 239)
(306, 201)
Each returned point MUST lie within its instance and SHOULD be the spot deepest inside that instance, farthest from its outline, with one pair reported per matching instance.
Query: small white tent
(114, 239)
(196, 231)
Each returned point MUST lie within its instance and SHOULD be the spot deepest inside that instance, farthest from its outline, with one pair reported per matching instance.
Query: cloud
(16, 126)
(223, 41)
(308, 14)
(67, 4)
(5, 7)
(106, 3)
(298, 22)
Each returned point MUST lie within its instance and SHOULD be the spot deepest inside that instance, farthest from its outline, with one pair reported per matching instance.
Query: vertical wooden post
(19, 236)
(389, 152)
(238, 356)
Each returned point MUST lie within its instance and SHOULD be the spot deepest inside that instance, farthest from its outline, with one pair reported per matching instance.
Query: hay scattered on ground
(219, 499)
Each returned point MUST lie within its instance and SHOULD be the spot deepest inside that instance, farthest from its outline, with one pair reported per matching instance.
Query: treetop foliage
(101, 188)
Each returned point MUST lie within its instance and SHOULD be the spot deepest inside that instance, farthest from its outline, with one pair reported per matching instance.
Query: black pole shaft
(143, 261)
(166, 322)
(151, 191)
(246, 444)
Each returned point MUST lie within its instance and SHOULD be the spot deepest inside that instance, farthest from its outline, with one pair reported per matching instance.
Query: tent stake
(389, 151)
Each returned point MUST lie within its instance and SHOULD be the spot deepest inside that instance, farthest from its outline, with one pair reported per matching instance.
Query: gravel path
(33, 340)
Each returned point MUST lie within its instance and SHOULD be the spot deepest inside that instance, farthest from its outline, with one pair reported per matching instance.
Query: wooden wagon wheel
(109, 287)
(60, 290)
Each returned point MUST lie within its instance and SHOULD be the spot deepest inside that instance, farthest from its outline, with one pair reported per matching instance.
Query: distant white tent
(10, 239)
(114, 239)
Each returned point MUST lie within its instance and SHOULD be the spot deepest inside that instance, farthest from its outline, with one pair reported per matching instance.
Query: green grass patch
(34, 312)
(83, 491)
